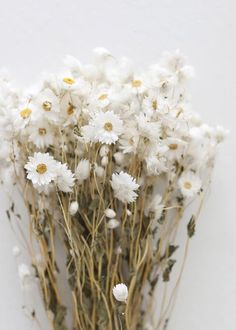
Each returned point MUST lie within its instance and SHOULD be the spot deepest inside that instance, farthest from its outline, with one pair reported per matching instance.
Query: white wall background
(35, 35)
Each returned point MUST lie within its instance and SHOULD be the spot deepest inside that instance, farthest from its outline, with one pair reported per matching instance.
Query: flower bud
(120, 292)
(119, 157)
(110, 213)
(104, 161)
(74, 206)
(104, 150)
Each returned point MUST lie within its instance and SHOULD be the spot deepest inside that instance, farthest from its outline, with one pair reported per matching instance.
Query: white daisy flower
(176, 148)
(148, 129)
(74, 86)
(41, 168)
(68, 82)
(70, 105)
(48, 105)
(189, 184)
(64, 178)
(23, 115)
(104, 127)
(100, 99)
(129, 140)
(41, 134)
(138, 85)
(124, 186)
(120, 292)
(156, 164)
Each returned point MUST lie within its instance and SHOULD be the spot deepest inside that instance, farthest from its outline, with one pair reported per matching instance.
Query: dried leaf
(167, 271)
(191, 226)
(12, 207)
(60, 315)
(169, 251)
(8, 215)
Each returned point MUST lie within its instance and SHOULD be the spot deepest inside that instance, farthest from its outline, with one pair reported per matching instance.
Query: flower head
(64, 178)
(176, 148)
(73, 208)
(82, 171)
(104, 127)
(41, 134)
(124, 186)
(47, 105)
(110, 213)
(41, 168)
(189, 184)
(120, 292)
(23, 115)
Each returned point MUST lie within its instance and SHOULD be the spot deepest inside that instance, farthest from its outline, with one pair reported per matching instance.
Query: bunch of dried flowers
(108, 160)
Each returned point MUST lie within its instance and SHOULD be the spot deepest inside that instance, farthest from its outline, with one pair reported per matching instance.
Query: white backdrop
(35, 35)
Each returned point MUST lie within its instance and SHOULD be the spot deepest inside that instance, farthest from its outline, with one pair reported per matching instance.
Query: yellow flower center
(154, 104)
(108, 127)
(70, 109)
(41, 168)
(136, 83)
(42, 131)
(25, 113)
(102, 97)
(173, 146)
(47, 106)
(69, 81)
(187, 185)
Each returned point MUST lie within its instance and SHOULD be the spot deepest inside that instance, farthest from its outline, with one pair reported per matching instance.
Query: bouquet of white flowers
(108, 160)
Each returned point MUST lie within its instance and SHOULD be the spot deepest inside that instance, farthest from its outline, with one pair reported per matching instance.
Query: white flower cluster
(120, 113)
(108, 157)
(42, 169)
